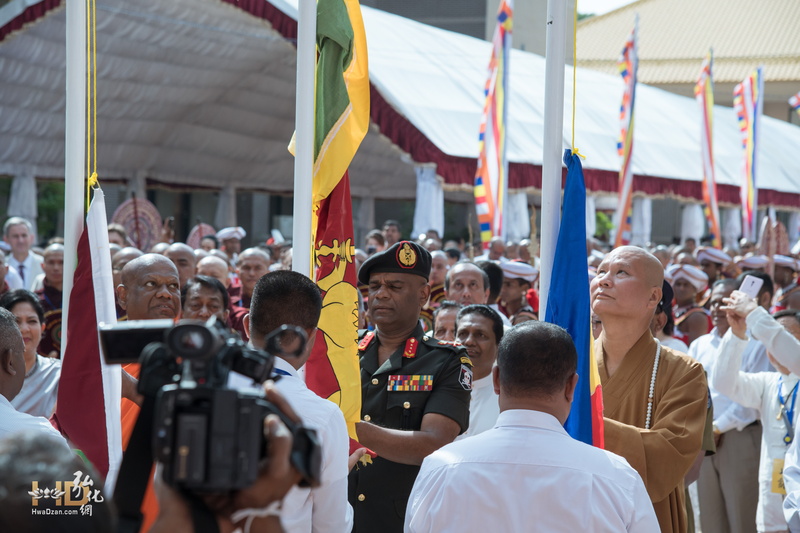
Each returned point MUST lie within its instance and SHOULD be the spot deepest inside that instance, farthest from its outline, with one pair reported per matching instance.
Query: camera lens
(190, 341)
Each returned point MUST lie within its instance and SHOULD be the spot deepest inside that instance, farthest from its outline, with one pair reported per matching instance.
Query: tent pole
(304, 127)
(74, 149)
(553, 143)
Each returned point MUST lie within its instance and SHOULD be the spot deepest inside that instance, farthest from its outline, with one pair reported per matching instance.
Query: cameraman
(276, 478)
(286, 297)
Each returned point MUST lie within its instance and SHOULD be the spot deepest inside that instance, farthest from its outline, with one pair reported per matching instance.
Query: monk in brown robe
(624, 295)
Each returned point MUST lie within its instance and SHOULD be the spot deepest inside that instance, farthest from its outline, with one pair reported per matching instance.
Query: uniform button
(407, 405)
(367, 418)
(361, 497)
(374, 381)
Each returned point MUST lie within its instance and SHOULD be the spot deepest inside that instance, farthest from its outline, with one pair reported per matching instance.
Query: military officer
(415, 389)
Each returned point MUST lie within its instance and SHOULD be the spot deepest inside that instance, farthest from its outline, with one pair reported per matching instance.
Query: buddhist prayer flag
(568, 305)
(491, 177)
(704, 94)
(341, 122)
(749, 102)
(794, 101)
(88, 407)
(628, 65)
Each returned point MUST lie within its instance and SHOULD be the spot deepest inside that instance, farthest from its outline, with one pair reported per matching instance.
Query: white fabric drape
(591, 216)
(517, 217)
(793, 229)
(641, 221)
(23, 201)
(732, 227)
(693, 222)
(429, 210)
(226, 208)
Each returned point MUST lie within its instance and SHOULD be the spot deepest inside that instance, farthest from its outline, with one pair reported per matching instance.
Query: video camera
(208, 436)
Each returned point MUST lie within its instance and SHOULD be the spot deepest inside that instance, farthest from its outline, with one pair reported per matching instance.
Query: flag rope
(575, 151)
(91, 100)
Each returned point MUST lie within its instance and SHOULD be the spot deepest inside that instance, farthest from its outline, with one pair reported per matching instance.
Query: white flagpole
(304, 137)
(553, 143)
(74, 149)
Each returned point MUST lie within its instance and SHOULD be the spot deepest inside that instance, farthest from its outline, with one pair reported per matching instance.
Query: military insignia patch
(412, 383)
(366, 340)
(466, 360)
(406, 256)
(465, 377)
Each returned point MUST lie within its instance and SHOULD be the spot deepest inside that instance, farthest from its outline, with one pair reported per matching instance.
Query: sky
(598, 7)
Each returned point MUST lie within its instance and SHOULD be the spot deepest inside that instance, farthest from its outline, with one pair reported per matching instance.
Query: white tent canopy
(201, 93)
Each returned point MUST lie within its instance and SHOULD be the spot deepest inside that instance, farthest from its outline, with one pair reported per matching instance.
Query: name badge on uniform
(412, 383)
(777, 477)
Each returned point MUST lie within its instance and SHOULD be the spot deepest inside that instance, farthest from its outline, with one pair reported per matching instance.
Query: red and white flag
(87, 412)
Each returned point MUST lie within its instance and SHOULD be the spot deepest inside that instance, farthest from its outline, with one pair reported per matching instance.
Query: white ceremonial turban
(715, 256)
(754, 261)
(786, 261)
(231, 233)
(690, 273)
(517, 269)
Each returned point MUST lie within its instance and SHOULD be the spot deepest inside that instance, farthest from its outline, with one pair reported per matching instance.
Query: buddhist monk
(654, 398)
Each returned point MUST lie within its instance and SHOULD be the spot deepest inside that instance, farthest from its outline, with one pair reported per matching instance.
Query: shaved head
(653, 270)
(214, 267)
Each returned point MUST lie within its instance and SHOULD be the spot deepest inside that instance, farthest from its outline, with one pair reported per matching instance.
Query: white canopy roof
(201, 92)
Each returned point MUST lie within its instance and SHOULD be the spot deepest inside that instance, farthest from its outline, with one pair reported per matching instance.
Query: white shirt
(13, 279)
(760, 391)
(40, 388)
(325, 508)
(32, 268)
(675, 344)
(504, 318)
(781, 344)
(527, 474)
(13, 422)
(484, 407)
(729, 415)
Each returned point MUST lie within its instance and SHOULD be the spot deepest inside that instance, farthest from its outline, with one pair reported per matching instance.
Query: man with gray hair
(18, 234)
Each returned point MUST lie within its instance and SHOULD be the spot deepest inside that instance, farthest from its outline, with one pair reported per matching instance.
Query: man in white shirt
(479, 329)
(728, 483)
(286, 297)
(527, 473)
(12, 375)
(18, 233)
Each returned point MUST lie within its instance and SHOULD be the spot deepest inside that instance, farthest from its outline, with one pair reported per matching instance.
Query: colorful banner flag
(569, 306)
(704, 94)
(749, 103)
(88, 407)
(628, 65)
(341, 122)
(491, 177)
(794, 101)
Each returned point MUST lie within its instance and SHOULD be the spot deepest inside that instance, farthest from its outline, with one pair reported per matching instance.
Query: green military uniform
(425, 376)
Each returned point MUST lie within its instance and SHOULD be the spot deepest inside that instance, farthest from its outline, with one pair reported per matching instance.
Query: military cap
(405, 256)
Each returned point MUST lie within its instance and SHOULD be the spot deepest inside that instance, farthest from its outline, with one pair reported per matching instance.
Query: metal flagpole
(74, 149)
(553, 143)
(304, 137)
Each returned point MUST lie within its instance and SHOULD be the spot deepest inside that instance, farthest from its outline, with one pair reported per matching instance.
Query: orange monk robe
(663, 454)
(129, 414)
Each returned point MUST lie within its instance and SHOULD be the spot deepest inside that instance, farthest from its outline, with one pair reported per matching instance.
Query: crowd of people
(465, 391)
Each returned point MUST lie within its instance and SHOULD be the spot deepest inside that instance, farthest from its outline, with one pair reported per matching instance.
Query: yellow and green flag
(341, 122)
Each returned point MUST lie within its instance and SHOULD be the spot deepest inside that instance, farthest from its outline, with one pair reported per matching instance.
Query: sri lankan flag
(341, 122)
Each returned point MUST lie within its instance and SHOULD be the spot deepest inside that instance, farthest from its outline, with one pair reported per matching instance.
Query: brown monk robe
(625, 294)
(663, 454)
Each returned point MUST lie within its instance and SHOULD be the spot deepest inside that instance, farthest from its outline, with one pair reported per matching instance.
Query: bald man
(184, 260)
(118, 262)
(654, 398)
(149, 289)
